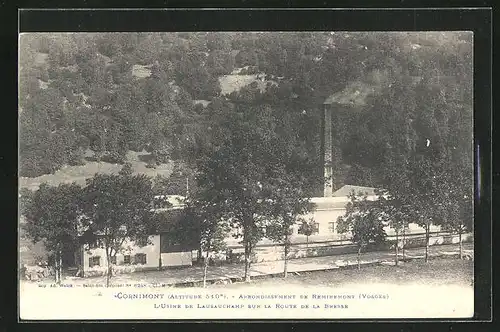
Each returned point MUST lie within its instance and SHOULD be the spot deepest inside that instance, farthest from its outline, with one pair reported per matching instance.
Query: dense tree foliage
(203, 224)
(53, 216)
(236, 169)
(289, 204)
(306, 227)
(401, 121)
(362, 221)
(110, 93)
(117, 208)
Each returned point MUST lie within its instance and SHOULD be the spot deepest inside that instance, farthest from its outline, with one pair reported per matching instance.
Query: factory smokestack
(327, 132)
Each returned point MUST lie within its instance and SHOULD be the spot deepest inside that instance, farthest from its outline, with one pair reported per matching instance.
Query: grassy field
(234, 82)
(437, 272)
(78, 174)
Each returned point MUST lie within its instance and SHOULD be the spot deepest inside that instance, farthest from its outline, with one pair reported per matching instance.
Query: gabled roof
(348, 189)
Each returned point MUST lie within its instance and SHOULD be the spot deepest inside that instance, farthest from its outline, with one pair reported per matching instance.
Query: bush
(43, 75)
(114, 158)
(76, 157)
(160, 157)
(32, 166)
(29, 169)
(35, 273)
(251, 70)
(98, 271)
(151, 164)
(76, 162)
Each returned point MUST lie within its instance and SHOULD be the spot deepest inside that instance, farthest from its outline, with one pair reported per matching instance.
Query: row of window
(127, 259)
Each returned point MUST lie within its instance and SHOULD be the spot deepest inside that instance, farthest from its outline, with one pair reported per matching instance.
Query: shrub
(114, 158)
(98, 271)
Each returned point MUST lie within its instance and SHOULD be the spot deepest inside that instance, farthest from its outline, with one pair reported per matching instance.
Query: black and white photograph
(246, 175)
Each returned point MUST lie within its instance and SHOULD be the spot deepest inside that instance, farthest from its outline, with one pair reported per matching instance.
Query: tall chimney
(328, 186)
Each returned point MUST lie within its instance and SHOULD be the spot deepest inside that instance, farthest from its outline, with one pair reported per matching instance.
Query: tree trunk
(247, 262)
(205, 269)
(396, 261)
(359, 258)
(56, 268)
(200, 255)
(427, 235)
(307, 243)
(56, 276)
(60, 266)
(57, 265)
(460, 243)
(103, 147)
(108, 263)
(404, 243)
(285, 268)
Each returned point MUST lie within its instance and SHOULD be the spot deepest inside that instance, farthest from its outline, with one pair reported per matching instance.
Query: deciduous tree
(306, 228)
(394, 213)
(288, 204)
(118, 208)
(287, 189)
(362, 221)
(237, 168)
(53, 215)
(209, 221)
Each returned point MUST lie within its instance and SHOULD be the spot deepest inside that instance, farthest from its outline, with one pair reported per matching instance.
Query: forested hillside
(98, 98)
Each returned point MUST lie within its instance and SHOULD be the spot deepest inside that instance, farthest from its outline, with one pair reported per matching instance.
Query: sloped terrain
(79, 174)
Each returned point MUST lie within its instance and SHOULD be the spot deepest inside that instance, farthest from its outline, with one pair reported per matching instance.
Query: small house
(160, 251)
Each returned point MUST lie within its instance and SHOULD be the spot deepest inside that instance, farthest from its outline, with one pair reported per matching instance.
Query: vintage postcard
(246, 175)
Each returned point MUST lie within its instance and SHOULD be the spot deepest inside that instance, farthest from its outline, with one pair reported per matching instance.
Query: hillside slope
(113, 93)
(79, 174)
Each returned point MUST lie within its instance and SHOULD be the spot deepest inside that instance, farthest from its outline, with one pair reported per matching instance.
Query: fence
(273, 252)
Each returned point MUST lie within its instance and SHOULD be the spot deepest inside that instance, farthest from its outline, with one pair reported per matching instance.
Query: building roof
(348, 189)
(340, 197)
(329, 203)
